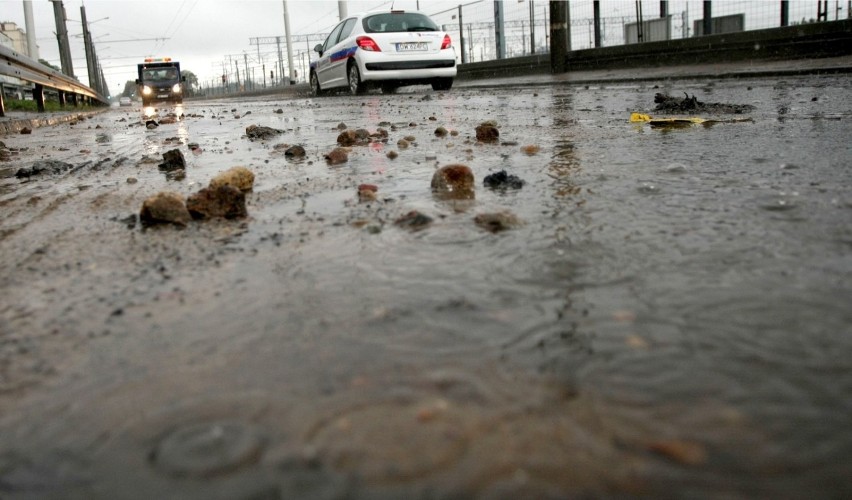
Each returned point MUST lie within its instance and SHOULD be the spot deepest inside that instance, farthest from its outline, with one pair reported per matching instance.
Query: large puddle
(671, 318)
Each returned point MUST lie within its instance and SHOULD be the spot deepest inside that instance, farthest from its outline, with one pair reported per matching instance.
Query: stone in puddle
(498, 221)
(222, 201)
(165, 208)
(172, 160)
(453, 182)
(238, 177)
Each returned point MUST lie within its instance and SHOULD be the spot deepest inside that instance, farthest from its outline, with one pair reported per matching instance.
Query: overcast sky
(201, 34)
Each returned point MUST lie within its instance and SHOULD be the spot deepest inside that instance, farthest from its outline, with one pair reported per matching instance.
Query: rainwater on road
(670, 317)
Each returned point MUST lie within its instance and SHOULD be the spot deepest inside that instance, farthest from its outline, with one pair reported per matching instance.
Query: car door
(324, 63)
(338, 53)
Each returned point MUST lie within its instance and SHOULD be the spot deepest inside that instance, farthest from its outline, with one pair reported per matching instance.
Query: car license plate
(412, 46)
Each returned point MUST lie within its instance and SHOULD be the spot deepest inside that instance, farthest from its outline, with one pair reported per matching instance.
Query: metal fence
(526, 29)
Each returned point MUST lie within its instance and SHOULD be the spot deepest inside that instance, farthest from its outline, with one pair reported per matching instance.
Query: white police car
(388, 49)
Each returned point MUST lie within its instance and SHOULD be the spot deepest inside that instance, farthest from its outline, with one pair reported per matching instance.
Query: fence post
(38, 96)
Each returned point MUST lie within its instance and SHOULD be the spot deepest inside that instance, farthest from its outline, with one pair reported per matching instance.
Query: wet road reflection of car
(387, 49)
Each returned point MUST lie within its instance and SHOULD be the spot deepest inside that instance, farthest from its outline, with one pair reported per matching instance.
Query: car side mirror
(318, 48)
(138, 82)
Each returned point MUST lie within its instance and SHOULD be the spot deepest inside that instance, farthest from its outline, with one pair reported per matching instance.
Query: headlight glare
(176, 88)
(146, 90)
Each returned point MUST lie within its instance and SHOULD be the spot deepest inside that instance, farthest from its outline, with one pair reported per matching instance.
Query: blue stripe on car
(343, 54)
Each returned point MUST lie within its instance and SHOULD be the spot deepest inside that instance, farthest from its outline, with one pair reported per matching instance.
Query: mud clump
(487, 132)
(498, 221)
(295, 152)
(43, 167)
(260, 132)
(441, 132)
(172, 160)
(358, 137)
(530, 149)
(165, 207)
(222, 201)
(453, 182)
(367, 192)
(347, 138)
(337, 156)
(238, 177)
(691, 104)
(503, 180)
(414, 220)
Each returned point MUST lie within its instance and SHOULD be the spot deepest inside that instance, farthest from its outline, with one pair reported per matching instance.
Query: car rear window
(394, 22)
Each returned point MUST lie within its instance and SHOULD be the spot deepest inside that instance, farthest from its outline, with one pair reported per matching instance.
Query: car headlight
(176, 88)
(146, 90)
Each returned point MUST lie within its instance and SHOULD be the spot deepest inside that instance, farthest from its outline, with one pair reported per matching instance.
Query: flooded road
(669, 317)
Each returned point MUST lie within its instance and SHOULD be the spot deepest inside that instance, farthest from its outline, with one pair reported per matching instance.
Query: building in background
(13, 37)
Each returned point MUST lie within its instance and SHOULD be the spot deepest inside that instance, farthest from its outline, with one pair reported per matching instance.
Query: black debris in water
(43, 167)
(502, 180)
(691, 104)
(173, 160)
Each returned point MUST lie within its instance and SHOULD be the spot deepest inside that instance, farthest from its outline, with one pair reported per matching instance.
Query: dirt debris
(455, 182)
(487, 132)
(497, 221)
(260, 132)
(238, 177)
(165, 207)
(414, 220)
(691, 104)
(221, 201)
(337, 156)
(503, 180)
(43, 167)
(172, 160)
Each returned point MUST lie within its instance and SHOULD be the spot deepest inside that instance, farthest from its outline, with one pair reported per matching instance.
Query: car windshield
(160, 74)
(394, 22)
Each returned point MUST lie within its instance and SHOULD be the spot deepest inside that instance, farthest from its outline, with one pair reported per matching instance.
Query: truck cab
(160, 80)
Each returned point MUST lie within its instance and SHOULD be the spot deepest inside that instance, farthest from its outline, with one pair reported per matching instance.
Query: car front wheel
(442, 84)
(316, 90)
(356, 87)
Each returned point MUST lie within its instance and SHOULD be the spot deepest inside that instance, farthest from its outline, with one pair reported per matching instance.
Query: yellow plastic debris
(679, 122)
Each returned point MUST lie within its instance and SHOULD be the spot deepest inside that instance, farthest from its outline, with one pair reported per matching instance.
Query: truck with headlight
(160, 81)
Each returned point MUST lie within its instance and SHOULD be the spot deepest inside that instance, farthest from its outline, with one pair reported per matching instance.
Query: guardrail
(19, 66)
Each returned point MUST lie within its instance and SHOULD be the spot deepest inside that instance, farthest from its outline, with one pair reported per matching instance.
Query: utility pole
(532, 27)
(248, 80)
(560, 34)
(32, 47)
(62, 38)
(290, 45)
(341, 9)
(499, 31)
(90, 57)
(461, 37)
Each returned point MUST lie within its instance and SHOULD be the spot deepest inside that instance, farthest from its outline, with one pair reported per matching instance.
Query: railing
(17, 65)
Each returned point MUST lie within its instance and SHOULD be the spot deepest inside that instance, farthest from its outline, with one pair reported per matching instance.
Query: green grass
(51, 106)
